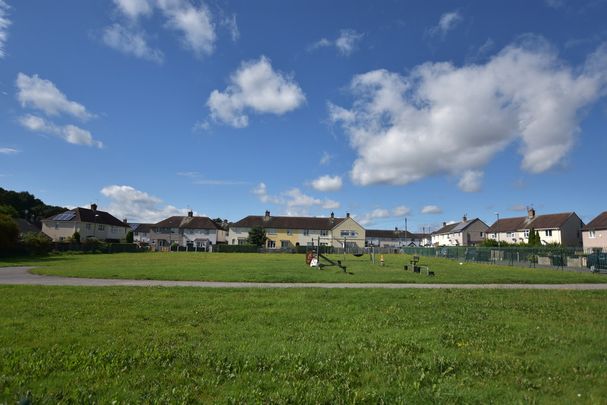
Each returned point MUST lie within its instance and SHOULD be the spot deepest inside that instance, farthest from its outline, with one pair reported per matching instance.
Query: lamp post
(406, 231)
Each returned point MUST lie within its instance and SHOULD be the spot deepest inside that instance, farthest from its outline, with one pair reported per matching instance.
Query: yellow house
(288, 232)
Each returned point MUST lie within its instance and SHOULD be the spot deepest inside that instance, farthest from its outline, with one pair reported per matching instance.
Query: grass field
(84, 345)
(288, 268)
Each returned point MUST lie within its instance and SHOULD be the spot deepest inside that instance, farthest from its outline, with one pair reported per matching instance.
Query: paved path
(22, 276)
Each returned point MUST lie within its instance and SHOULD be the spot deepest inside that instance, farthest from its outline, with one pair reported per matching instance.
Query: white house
(89, 223)
(594, 235)
(391, 238)
(465, 233)
(194, 233)
(563, 228)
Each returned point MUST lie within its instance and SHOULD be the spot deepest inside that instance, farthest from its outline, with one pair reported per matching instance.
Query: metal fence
(544, 256)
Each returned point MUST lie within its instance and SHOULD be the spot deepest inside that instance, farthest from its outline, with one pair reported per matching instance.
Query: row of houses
(202, 233)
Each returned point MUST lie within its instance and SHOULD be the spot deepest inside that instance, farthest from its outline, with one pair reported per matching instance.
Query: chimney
(190, 213)
(94, 207)
(464, 218)
(347, 215)
(125, 221)
(396, 229)
(266, 216)
(530, 213)
(444, 224)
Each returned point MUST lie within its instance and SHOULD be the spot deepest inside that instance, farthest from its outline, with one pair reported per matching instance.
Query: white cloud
(8, 151)
(382, 213)
(555, 3)
(45, 96)
(432, 209)
(69, 133)
(131, 42)
(327, 183)
(134, 8)
(138, 206)
(447, 22)
(471, 181)
(4, 24)
(346, 43)
(443, 119)
(194, 23)
(325, 158)
(232, 26)
(293, 201)
(401, 211)
(255, 86)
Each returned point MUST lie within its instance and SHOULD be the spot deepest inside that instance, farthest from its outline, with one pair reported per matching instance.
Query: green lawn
(85, 345)
(288, 268)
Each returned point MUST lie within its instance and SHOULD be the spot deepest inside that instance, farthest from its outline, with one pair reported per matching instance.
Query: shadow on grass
(36, 260)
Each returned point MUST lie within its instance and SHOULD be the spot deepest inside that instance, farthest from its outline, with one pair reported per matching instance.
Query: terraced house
(288, 232)
(89, 223)
(562, 228)
(468, 232)
(191, 232)
(594, 235)
(391, 238)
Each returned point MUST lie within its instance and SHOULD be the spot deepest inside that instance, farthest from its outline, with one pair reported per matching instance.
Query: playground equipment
(418, 268)
(313, 259)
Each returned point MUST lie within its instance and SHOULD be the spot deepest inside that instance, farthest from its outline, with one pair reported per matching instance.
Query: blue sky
(427, 110)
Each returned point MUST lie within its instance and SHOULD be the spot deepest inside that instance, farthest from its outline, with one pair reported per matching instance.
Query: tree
(257, 236)
(76, 237)
(129, 237)
(9, 233)
(9, 210)
(534, 238)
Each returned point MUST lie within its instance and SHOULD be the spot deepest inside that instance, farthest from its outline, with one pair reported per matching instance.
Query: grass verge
(71, 344)
(288, 268)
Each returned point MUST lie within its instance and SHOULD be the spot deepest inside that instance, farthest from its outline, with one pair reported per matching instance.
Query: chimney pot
(94, 207)
(125, 221)
(531, 213)
(190, 213)
(332, 215)
(347, 215)
(464, 218)
(444, 224)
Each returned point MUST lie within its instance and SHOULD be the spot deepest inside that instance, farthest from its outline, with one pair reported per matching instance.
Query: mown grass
(288, 268)
(85, 345)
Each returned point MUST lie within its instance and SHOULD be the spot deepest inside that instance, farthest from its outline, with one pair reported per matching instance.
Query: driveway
(22, 276)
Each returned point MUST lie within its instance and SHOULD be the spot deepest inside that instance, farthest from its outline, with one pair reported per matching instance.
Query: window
(592, 234)
(527, 233)
(481, 235)
(494, 235)
(56, 225)
(114, 230)
(510, 234)
(310, 244)
(285, 243)
(289, 232)
(242, 241)
(271, 231)
(88, 227)
(100, 227)
(271, 244)
(548, 232)
(324, 232)
(346, 233)
(306, 232)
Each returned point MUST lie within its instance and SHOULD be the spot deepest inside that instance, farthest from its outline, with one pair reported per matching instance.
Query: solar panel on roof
(66, 216)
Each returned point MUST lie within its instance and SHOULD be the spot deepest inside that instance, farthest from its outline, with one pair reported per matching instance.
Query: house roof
(445, 229)
(141, 227)
(187, 222)
(600, 222)
(456, 227)
(321, 223)
(548, 221)
(88, 215)
(388, 234)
